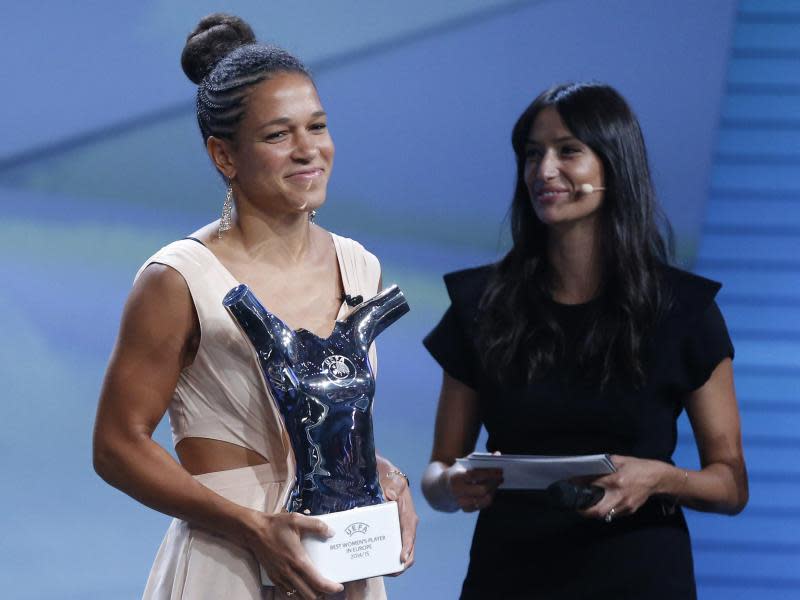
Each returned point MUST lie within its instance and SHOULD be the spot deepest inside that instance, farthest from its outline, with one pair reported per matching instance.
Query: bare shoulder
(159, 309)
(161, 283)
(155, 336)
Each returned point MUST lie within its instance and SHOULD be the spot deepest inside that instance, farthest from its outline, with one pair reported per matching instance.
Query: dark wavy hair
(517, 329)
(222, 57)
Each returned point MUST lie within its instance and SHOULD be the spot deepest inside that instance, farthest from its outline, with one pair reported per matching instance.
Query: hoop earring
(227, 207)
(312, 215)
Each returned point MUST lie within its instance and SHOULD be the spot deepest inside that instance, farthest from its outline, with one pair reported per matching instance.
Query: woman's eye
(319, 126)
(275, 136)
(567, 150)
(532, 154)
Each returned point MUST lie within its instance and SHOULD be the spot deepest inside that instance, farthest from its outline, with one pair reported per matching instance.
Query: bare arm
(446, 486)
(157, 326)
(721, 483)
(154, 344)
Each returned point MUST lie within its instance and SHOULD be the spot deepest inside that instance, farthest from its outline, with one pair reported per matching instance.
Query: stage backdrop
(101, 164)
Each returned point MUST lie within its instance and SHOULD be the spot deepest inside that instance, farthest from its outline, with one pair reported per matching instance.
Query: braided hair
(222, 57)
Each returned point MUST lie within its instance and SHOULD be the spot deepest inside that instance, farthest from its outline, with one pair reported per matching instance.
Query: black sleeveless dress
(521, 548)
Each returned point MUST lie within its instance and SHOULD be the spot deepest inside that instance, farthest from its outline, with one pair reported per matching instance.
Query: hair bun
(214, 37)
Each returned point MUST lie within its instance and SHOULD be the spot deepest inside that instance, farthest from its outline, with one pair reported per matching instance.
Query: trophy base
(366, 543)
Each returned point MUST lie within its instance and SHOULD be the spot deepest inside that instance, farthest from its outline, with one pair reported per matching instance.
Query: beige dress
(222, 396)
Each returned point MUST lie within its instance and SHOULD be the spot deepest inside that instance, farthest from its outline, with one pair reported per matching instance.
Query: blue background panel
(102, 164)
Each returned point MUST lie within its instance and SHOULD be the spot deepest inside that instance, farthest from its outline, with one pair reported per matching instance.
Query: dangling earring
(227, 207)
(312, 215)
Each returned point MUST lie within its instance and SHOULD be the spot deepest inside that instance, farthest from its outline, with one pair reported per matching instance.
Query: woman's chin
(307, 201)
(549, 215)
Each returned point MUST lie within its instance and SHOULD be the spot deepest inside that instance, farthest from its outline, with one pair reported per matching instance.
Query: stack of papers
(529, 472)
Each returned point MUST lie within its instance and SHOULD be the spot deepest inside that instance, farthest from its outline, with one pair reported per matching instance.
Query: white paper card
(526, 472)
(366, 543)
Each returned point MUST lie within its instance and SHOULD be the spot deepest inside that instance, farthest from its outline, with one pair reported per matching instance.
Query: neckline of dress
(340, 318)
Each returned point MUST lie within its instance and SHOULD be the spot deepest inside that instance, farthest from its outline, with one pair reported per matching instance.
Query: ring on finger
(610, 515)
(290, 593)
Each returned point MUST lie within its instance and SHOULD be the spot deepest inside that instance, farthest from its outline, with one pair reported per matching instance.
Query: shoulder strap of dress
(347, 268)
(189, 253)
(360, 269)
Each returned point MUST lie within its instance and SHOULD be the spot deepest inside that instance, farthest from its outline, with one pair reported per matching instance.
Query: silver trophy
(324, 389)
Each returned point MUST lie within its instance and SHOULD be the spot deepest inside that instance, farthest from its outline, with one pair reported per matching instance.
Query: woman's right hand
(447, 485)
(275, 540)
(472, 489)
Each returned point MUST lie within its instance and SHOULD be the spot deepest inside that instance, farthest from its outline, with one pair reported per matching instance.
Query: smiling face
(557, 164)
(282, 154)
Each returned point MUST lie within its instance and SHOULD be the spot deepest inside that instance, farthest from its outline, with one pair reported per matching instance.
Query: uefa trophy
(324, 388)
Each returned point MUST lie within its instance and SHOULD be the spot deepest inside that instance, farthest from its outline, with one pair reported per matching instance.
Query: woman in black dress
(582, 340)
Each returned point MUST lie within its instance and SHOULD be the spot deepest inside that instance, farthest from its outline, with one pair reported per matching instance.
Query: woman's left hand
(395, 487)
(635, 480)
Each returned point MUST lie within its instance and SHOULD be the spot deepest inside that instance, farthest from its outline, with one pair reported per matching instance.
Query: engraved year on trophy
(324, 388)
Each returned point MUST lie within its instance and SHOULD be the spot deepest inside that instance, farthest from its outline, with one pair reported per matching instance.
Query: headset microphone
(588, 188)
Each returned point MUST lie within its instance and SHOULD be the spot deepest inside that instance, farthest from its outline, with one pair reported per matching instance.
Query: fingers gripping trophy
(324, 389)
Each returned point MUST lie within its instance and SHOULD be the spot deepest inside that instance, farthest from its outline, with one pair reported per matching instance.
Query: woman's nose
(305, 147)
(547, 167)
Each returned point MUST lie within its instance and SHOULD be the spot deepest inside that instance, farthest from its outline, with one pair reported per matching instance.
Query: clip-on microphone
(352, 300)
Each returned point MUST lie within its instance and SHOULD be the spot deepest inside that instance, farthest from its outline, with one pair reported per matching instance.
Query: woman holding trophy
(582, 341)
(178, 349)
